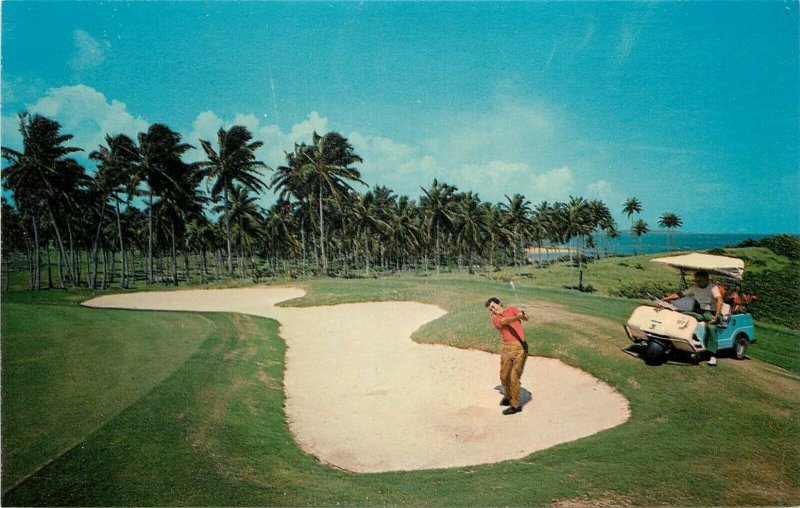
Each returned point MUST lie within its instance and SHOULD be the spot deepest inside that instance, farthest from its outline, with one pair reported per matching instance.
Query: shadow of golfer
(524, 395)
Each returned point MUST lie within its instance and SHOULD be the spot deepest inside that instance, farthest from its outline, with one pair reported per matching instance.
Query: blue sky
(693, 107)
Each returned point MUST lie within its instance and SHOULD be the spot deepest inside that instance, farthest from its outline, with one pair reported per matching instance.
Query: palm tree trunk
(37, 274)
(123, 283)
(150, 240)
(228, 233)
(186, 267)
(88, 265)
(580, 263)
(29, 251)
(437, 253)
(323, 257)
(366, 253)
(50, 273)
(203, 258)
(61, 248)
(105, 270)
(174, 255)
(93, 276)
(303, 242)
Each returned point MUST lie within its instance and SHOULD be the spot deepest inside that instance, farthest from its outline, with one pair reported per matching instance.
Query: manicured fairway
(213, 432)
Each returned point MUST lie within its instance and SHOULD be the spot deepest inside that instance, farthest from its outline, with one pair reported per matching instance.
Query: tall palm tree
(234, 164)
(294, 181)
(601, 220)
(640, 228)
(42, 175)
(473, 228)
(577, 222)
(403, 235)
(329, 161)
(671, 222)
(632, 205)
(439, 206)
(246, 220)
(200, 237)
(117, 163)
(279, 228)
(182, 203)
(516, 216)
(159, 149)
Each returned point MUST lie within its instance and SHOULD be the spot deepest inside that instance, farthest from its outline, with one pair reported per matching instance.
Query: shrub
(782, 245)
(644, 290)
(778, 293)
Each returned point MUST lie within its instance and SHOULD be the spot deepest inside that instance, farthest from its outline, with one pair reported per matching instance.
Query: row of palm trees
(146, 207)
(668, 220)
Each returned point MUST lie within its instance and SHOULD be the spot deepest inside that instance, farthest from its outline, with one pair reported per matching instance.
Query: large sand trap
(362, 396)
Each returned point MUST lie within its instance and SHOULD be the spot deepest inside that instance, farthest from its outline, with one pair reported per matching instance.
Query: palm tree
(159, 149)
(182, 203)
(439, 206)
(235, 164)
(403, 233)
(640, 228)
(577, 222)
(472, 228)
(516, 219)
(279, 228)
(200, 237)
(601, 220)
(117, 162)
(328, 161)
(292, 181)
(671, 222)
(42, 176)
(246, 220)
(632, 205)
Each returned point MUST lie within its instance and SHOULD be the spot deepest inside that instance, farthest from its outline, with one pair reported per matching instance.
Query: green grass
(213, 431)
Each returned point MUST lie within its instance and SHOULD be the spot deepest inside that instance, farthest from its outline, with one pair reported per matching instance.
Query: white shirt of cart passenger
(706, 297)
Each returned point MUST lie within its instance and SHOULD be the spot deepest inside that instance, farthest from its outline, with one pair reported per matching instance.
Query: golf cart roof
(721, 265)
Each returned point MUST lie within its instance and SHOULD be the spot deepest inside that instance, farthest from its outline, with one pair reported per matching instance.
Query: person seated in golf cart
(709, 304)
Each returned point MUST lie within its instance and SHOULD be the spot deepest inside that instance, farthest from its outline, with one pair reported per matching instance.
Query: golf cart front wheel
(740, 347)
(655, 353)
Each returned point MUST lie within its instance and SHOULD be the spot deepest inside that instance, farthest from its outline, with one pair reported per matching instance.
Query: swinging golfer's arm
(510, 319)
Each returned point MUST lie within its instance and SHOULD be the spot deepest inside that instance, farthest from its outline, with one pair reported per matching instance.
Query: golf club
(516, 297)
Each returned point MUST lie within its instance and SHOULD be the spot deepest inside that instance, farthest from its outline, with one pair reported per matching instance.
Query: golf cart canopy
(721, 265)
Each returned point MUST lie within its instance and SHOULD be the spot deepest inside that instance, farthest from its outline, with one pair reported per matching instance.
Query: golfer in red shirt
(514, 352)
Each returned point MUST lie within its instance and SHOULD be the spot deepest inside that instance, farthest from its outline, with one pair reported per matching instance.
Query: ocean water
(659, 241)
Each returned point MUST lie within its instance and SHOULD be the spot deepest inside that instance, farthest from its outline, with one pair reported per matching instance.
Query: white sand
(360, 395)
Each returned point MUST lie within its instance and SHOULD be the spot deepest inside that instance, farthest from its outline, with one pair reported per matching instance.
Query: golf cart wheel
(655, 352)
(740, 347)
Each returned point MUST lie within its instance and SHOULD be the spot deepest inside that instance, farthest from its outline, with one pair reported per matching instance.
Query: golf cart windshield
(720, 265)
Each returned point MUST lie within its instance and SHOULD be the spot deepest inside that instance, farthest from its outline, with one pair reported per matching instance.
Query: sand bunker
(360, 395)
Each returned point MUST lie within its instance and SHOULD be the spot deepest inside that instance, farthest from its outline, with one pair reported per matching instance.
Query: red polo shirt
(511, 332)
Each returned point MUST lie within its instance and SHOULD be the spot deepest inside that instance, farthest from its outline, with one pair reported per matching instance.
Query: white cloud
(83, 112)
(89, 52)
(555, 184)
(601, 189)
(88, 115)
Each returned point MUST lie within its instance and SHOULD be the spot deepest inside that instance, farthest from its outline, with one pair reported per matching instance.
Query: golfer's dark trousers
(512, 362)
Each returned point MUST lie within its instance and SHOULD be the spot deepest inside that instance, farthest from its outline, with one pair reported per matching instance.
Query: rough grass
(214, 432)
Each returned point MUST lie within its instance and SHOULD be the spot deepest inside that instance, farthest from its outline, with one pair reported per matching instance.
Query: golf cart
(665, 329)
